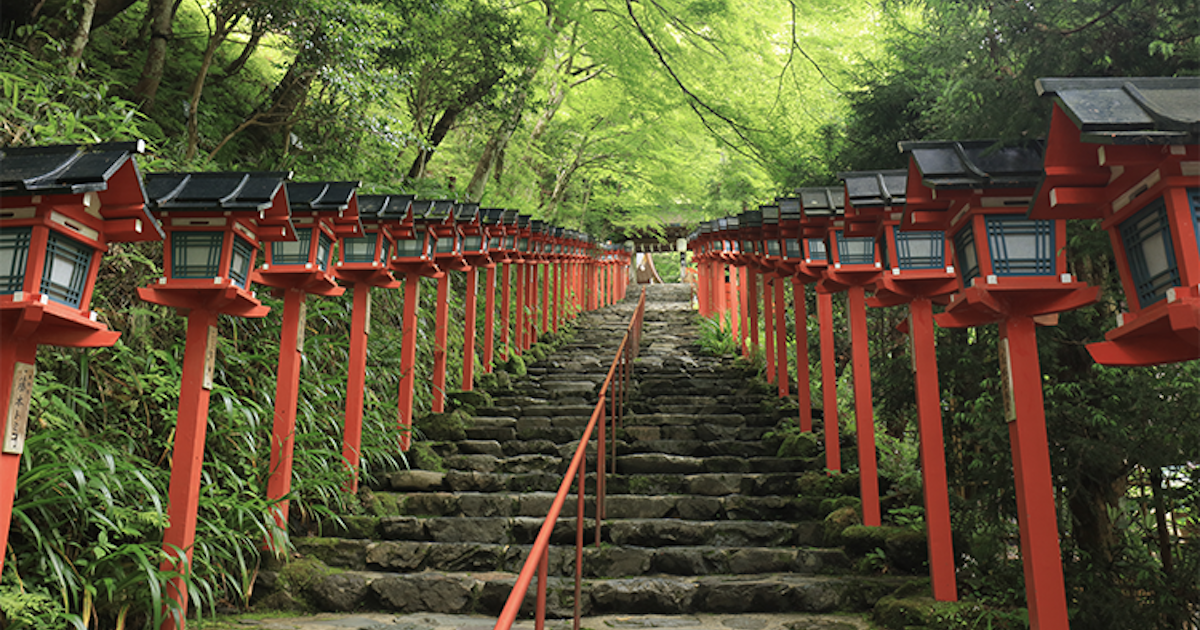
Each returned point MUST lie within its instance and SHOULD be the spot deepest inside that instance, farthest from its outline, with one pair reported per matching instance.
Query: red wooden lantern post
(523, 260)
(214, 223)
(771, 260)
(747, 239)
(915, 273)
(1134, 164)
(475, 248)
(414, 259)
(796, 261)
(61, 206)
(542, 236)
(362, 264)
(1011, 269)
(493, 222)
(296, 269)
(439, 220)
(854, 265)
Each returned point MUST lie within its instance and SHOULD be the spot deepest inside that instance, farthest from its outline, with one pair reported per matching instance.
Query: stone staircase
(702, 516)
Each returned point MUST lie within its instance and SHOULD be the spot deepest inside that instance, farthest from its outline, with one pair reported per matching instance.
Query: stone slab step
(598, 562)
(485, 593)
(619, 506)
(752, 484)
(503, 530)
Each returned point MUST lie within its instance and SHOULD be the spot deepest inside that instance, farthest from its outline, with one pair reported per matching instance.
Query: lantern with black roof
(510, 232)
(362, 264)
(439, 219)
(770, 256)
(320, 212)
(214, 223)
(792, 262)
(414, 257)
(1011, 269)
(523, 260)
(1127, 151)
(492, 220)
(474, 248)
(61, 206)
(915, 273)
(852, 264)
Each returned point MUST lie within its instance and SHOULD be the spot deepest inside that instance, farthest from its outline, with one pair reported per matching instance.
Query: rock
(470, 400)
(402, 528)
(837, 522)
(897, 614)
(416, 480)
(478, 530)
(699, 508)
(477, 463)
(470, 481)
(444, 426)
(615, 562)
(486, 505)
(432, 504)
(397, 556)
(715, 485)
(650, 463)
(342, 592)
(335, 552)
(481, 447)
(689, 561)
(908, 550)
(643, 595)
(425, 592)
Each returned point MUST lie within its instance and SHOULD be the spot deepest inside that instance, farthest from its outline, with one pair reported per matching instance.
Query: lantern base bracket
(1014, 297)
(229, 300)
(1163, 333)
(51, 323)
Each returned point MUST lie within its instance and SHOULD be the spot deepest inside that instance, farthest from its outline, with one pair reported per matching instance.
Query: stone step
(618, 506)
(598, 562)
(786, 484)
(485, 593)
(522, 530)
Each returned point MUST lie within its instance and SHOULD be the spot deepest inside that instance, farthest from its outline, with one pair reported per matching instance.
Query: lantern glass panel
(523, 245)
(1147, 239)
(773, 247)
(14, 255)
(1194, 201)
(360, 249)
(920, 250)
(292, 252)
(324, 250)
(855, 250)
(66, 272)
(196, 254)
(510, 242)
(816, 249)
(243, 258)
(964, 252)
(792, 249)
(1020, 246)
(748, 247)
(411, 247)
(473, 243)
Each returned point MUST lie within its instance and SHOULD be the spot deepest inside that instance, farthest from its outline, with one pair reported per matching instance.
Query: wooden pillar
(1036, 515)
(408, 357)
(187, 459)
(505, 310)
(803, 390)
(833, 454)
(933, 458)
(356, 382)
(469, 306)
(287, 389)
(752, 301)
(781, 364)
(489, 320)
(768, 300)
(15, 354)
(441, 334)
(744, 310)
(864, 414)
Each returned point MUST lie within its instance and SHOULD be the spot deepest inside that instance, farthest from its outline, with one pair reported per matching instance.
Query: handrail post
(601, 482)
(539, 621)
(579, 536)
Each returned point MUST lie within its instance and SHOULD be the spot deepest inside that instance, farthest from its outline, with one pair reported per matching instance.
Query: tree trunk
(266, 124)
(494, 149)
(1160, 521)
(80, 39)
(1094, 531)
(440, 129)
(222, 25)
(256, 34)
(161, 14)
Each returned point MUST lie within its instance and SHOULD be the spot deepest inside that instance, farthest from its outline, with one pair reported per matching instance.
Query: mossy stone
(469, 400)
(813, 484)
(798, 444)
(445, 426)
(860, 540)
(837, 521)
(896, 613)
(908, 550)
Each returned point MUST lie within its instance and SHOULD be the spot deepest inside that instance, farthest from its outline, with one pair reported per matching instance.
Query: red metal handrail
(618, 378)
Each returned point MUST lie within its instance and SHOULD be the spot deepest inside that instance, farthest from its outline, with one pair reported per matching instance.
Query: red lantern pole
(557, 297)
(744, 310)
(933, 460)
(489, 320)
(519, 326)
(356, 382)
(440, 336)
(768, 300)
(864, 415)
(833, 454)
(16, 354)
(468, 368)
(287, 390)
(803, 392)
(187, 458)
(1044, 590)
(546, 292)
(408, 357)
(752, 307)
(781, 335)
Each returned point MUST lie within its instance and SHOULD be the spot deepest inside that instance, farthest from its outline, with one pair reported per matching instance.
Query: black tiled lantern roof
(493, 216)
(440, 210)
(466, 212)
(822, 202)
(752, 219)
(324, 196)
(770, 214)
(511, 217)
(1129, 110)
(396, 208)
(247, 192)
(524, 221)
(976, 163)
(789, 208)
(868, 189)
(730, 223)
(538, 226)
(62, 169)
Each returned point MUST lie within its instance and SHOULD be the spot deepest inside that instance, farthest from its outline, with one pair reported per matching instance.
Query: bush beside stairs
(703, 515)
